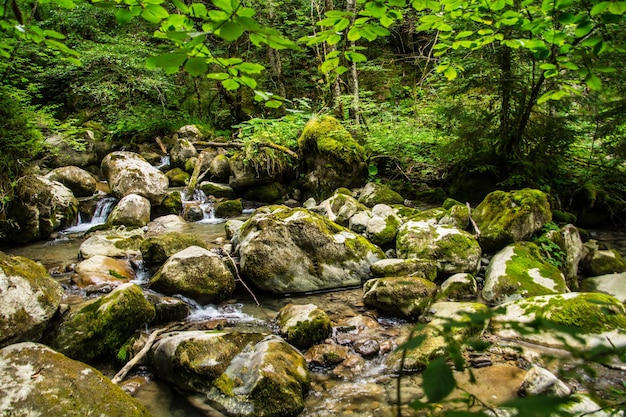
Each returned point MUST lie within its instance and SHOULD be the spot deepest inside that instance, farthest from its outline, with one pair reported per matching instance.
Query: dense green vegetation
(463, 95)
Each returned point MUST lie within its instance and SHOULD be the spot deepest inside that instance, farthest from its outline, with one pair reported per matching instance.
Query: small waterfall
(104, 206)
(200, 200)
(164, 164)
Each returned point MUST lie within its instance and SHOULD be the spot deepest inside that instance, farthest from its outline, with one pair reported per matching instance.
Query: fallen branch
(119, 377)
(469, 209)
(241, 145)
(239, 277)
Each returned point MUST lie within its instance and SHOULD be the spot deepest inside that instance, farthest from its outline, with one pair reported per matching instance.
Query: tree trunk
(273, 57)
(354, 76)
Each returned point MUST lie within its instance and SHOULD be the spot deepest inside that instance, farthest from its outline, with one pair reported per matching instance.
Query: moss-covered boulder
(197, 273)
(286, 250)
(269, 379)
(156, 249)
(566, 250)
(29, 298)
(217, 190)
(399, 296)
(507, 217)
(103, 270)
(228, 208)
(451, 319)
(331, 157)
(383, 225)
(39, 207)
(459, 287)
(326, 354)
(193, 360)
(340, 207)
(453, 249)
(268, 193)
(519, 271)
(79, 181)
(37, 381)
(397, 267)
(171, 204)
(579, 321)
(375, 193)
(177, 177)
(101, 326)
(303, 325)
(611, 284)
(129, 173)
(219, 168)
(131, 211)
(602, 262)
(115, 243)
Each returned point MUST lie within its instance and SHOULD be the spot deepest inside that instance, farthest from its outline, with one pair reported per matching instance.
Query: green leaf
(218, 15)
(218, 76)
(198, 10)
(169, 62)
(354, 34)
(53, 34)
(593, 82)
(618, 8)
(247, 81)
(123, 16)
(355, 57)
(230, 31)
(450, 73)
(181, 6)
(154, 13)
(250, 68)
(196, 66)
(224, 5)
(438, 380)
(230, 84)
(273, 104)
(600, 7)
(583, 29)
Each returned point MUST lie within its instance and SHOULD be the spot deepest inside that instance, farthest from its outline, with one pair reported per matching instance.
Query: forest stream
(363, 385)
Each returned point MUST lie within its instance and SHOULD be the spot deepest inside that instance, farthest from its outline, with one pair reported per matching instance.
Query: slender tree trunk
(335, 90)
(273, 57)
(354, 76)
(506, 86)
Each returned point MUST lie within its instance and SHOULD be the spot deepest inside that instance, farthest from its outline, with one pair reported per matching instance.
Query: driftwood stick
(161, 144)
(119, 377)
(232, 261)
(477, 234)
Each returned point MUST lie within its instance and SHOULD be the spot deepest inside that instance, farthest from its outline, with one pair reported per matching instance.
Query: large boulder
(504, 218)
(40, 206)
(131, 211)
(37, 381)
(103, 270)
(29, 298)
(574, 321)
(156, 249)
(63, 153)
(268, 379)
(398, 267)
(611, 284)
(519, 271)
(193, 360)
(101, 326)
(399, 296)
(79, 181)
(383, 226)
(453, 249)
(129, 173)
(181, 152)
(340, 207)
(197, 273)
(285, 250)
(602, 262)
(332, 158)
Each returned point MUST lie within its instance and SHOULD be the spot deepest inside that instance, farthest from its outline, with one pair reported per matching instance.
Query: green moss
(588, 313)
(309, 332)
(156, 250)
(451, 202)
(225, 384)
(329, 137)
(228, 208)
(172, 203)
(270, 193)
(560, 216)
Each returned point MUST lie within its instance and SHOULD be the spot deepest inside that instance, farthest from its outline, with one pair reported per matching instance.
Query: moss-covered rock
(131, 211)
(519, 271)
(172, 203)
(40, 206)
(398, 267)
(128, 173)
(29, 298)
(450, 319)
(383, 225)
(116, 243)
(453, 249)
(193, 360)
(79, 181)
(98, 270)
(269, 379)
(217, 190)
(504, 218)
(303, 325)
(602, 262)
(459, 287)
(155, 250)
(219, 168)
(177, 177)
(326, 354)
(374, 193)
(578, 321)
(340, 207)
(399, 296)
(101, 326)
(37, 381)
(269, 193)
(286, 250)
(431, 215)
(197, 273)
(332, 158)
(181, 152)
(611, 284)
(228, 208)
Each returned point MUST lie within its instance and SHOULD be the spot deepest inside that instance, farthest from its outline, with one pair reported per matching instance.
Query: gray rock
(394, 267)
(116, 243)
(303, 325)
(540, 381)
(79, 181)
(399, 296)
(611, 284)
(374, 193)
(459, 287)
(182, 151)
(132, 210)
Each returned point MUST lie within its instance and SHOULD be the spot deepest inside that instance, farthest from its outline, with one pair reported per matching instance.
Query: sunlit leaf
(250, 68)
(230, 31)
(438, 380)
(230, 84)
(154, 13)
(196, 66)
